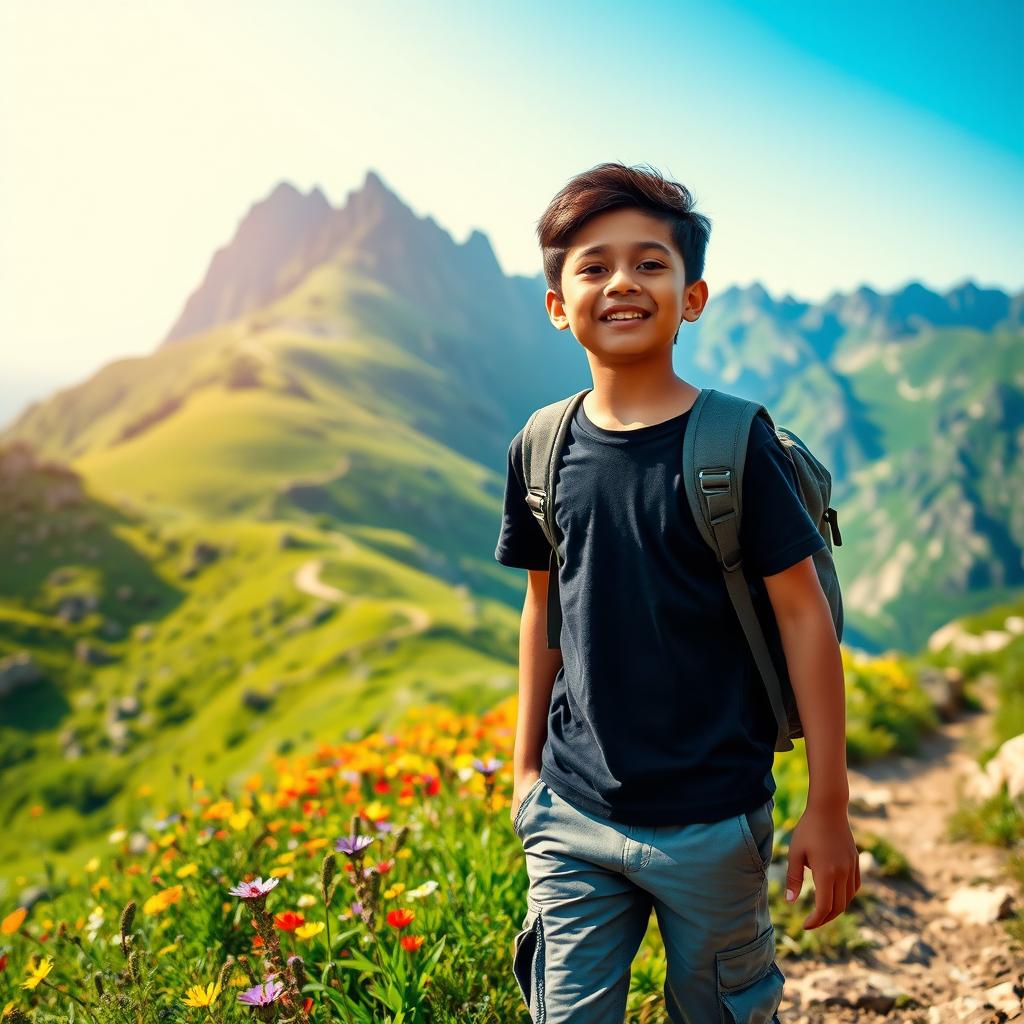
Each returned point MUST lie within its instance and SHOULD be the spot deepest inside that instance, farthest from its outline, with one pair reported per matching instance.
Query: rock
(911, 949)
(89, 654)
(1007, 766)
(1004, 997)
(18, 670)
(126, 707)
(256, 701)
(201, 554)
(945, 689)
(868, 865)
(877, 1002)
(956, 1011)
(980, 904)
(74, 607)
(871, 800)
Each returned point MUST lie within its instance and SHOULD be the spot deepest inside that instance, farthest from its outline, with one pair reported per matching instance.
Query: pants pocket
(750, 983)
(527, 797)
(528, 964)
(758, 828)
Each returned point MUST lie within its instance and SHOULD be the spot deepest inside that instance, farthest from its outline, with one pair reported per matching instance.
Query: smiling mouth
(626, 319)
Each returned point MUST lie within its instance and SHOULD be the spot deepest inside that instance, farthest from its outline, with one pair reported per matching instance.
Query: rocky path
(939, 952)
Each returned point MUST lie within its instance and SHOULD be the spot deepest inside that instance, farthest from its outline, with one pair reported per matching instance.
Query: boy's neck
(617, 402)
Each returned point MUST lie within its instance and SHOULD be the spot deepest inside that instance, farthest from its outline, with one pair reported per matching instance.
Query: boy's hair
(609, 186)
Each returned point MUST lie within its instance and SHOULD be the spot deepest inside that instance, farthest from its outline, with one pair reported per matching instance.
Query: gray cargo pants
(593, 883)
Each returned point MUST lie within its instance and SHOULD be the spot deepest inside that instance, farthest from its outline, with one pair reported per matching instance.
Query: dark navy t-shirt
(658, 714)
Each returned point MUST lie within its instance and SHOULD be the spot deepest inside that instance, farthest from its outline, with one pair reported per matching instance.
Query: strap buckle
(713, 481)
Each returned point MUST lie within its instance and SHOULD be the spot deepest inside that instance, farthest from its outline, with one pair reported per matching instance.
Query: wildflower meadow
(374, 880)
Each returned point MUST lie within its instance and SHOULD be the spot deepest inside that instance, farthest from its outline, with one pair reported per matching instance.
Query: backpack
(714, 453)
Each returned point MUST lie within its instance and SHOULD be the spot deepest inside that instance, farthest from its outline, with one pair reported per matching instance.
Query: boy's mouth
(621, 320)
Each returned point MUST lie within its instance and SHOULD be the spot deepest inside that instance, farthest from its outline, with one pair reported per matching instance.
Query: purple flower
(385, 827)
(262, 995)
(255, 889)
(357, 906)
(352, 844)
(488, 767)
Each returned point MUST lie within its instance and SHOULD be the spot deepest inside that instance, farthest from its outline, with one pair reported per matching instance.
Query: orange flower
(412, 942)
(401, 918)
(12, 922)
(288, 920)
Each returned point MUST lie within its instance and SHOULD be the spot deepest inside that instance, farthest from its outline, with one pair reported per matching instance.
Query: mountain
(285, 514)
(358, 365)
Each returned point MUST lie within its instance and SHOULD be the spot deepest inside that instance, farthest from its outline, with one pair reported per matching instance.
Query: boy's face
(628, 270)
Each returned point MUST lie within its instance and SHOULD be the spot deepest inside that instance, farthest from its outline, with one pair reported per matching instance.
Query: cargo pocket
(750, 983)
(528, 964)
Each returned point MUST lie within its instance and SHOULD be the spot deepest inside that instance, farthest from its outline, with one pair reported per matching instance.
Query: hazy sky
(831, 145)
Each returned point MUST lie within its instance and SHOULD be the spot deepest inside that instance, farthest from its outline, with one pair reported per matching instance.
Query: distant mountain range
(357, 364)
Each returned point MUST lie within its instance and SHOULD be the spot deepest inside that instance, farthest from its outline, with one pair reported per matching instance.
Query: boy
(645, 741)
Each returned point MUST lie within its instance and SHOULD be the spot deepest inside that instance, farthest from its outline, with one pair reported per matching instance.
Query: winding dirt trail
(924, 948)
(307, 579)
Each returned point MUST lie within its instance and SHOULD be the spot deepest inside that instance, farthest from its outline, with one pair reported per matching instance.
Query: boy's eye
(595, 266)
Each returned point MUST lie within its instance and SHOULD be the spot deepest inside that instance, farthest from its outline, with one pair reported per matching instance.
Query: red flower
(433, 786)
(382, 786)
(382, 867)
(401, 918)
(412, 942)
(288, 920)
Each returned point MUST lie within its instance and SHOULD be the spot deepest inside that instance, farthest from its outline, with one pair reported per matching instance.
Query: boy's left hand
(824, 842)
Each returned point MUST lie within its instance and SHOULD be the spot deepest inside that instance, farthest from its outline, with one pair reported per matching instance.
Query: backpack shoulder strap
(714, 456)
(543, 441)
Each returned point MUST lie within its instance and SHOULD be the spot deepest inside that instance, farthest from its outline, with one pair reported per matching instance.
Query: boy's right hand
(520, 789)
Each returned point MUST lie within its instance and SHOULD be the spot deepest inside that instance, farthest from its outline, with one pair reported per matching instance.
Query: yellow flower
(37, 971)
(167, 949)
(7, 1008)
(198, 996)
(287, 857)
(307, 931)
(144, 790)
(92, 865)
(100, 884)
(240, 819)
(160, 901)
(187, 871)
(12, 922)
(376, 811)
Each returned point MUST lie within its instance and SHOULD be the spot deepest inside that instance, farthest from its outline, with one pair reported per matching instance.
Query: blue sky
(831, 145)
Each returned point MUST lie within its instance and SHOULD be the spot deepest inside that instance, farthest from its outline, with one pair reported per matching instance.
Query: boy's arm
(816, 671)
(538, 666)
(822, 838)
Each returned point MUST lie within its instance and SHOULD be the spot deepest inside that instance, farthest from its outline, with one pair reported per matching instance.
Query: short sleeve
(521, 542)
(776, 531)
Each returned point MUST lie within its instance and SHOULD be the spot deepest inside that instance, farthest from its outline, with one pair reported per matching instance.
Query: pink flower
(254, 889)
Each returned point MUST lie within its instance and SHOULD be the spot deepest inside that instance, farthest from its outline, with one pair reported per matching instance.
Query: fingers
(794, 879)
(824, 900)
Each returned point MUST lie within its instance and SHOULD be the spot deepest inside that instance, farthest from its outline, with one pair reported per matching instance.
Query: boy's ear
(556, 310)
